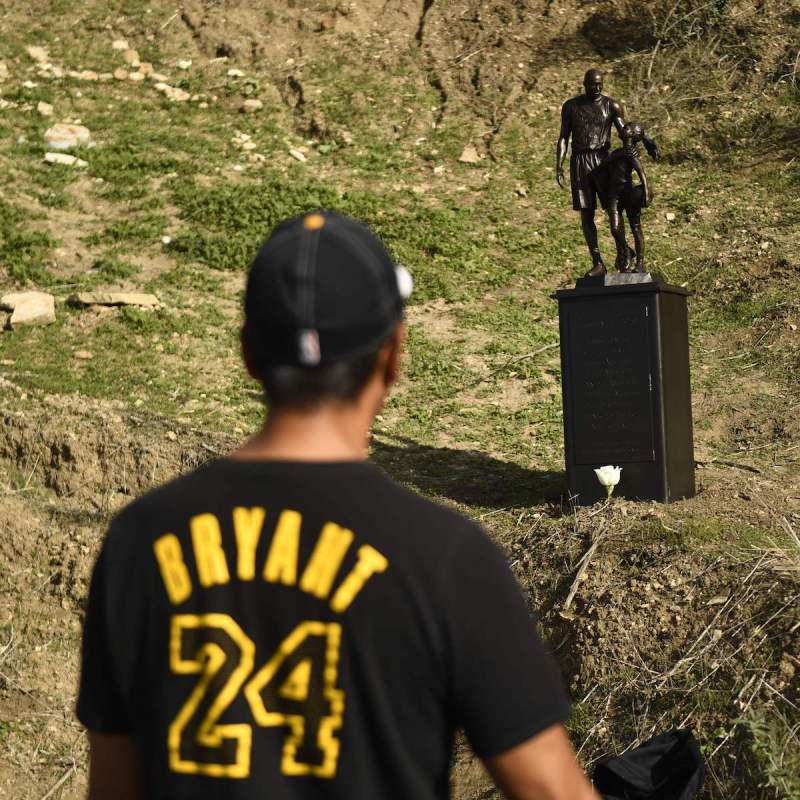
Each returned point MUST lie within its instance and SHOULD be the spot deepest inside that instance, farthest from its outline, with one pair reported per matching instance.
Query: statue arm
(618, 115)
(563, 143)
(651, 147)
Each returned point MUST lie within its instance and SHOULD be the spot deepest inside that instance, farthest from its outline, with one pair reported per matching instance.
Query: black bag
(667, 767)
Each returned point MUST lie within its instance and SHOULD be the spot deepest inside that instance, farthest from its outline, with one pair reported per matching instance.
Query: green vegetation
(23, 250)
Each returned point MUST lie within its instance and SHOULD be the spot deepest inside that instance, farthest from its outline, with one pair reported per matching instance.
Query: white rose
(608, 477)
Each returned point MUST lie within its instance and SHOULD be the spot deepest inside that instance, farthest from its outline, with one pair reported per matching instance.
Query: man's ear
(247, 354)
(394, 349)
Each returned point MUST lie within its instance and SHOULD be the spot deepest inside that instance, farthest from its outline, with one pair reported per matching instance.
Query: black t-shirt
(306, 630)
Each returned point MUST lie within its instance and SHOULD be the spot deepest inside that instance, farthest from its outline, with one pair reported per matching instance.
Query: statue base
(618, 279)
(625, 386)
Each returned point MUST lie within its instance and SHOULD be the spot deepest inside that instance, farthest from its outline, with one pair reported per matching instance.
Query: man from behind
(288, 623)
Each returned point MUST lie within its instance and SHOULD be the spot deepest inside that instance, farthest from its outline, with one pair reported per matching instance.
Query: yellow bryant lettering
(247, 525)
(370, 562)
(212, 568)
(174, 572)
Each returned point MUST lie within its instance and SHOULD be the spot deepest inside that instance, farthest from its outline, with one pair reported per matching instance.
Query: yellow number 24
(295, 688)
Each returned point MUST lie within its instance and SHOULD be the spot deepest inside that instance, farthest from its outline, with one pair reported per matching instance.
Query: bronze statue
(587, 118)
(613, 182)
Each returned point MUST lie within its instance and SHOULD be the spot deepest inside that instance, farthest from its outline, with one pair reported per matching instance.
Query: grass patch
(23, 251)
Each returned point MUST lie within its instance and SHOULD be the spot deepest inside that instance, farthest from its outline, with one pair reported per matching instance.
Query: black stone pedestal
(625, 383)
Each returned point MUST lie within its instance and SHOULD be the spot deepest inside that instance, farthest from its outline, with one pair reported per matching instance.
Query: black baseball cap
(322, 288)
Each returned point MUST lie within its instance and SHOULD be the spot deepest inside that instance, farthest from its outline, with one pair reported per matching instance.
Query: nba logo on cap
(309, 352)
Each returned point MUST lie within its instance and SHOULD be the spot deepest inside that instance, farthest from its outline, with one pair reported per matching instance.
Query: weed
(23, 251)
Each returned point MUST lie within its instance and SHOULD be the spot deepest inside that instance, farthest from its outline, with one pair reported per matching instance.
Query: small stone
(251, 106)
(83, 355)
(165, 240)
(114, 299)
(105, 76)
(29, 85)
(45, 109)
(120, 74)
(157, 77)
(669, 216)
(185, 64)
(65, 137)
(177, 95)
(297, 154)
(136, 77)
(38, 54)
(146, 68)
(235, 73)
(237, 168)
(249, 145)
(522, 191)
(132, 57)
(120, 44)
(29, 308)
(439, 170)
(88, 75)
(202, 105)
(172, 436)
(3, 71)
(469, 155)
(64, 159)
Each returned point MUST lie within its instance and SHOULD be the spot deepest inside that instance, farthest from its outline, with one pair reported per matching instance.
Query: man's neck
(336, 432)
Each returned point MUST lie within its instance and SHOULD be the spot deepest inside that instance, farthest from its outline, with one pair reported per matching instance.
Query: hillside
(689, 614)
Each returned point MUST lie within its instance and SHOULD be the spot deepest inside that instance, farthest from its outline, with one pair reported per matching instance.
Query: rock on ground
(66, 137)
(250, 106)
(3, 71)
(45, 109)
(178, 95)
(114, 299)
(64, 159)
(469, 155)
(29, 308)
(38, 54)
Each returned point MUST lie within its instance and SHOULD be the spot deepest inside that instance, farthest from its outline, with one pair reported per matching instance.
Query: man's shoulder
(568, 105)
(395, 495)
(616, 106)
(167, 495)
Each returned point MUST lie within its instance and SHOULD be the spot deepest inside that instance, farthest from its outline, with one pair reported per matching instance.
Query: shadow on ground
(466, 476)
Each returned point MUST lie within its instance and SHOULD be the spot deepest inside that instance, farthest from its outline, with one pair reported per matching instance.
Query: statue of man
(588, 118)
